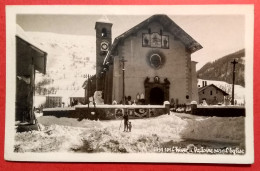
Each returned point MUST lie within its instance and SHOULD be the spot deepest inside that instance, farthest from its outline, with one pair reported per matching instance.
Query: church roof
(212, 85)
(85, 84)
(169, 25)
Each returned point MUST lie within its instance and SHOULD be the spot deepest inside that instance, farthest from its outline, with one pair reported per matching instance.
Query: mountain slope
(69, 59)
(222, 69)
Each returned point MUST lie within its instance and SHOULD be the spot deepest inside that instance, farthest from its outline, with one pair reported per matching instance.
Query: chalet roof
(212, 85)
(191, 44)
(36, 54)
(26, 37)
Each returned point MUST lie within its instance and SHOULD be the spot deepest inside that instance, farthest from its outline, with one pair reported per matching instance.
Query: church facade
(149, 63)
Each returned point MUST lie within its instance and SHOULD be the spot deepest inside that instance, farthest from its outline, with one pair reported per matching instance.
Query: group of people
(129, 101)
(127, 123)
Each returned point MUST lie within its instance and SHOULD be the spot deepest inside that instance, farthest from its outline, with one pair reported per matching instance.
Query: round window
(104, 46)
(155, 60)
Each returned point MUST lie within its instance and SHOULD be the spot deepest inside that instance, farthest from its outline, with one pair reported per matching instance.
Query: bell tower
(103, 43)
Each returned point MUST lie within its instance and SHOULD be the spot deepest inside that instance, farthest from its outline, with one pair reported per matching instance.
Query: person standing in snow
(125, 117)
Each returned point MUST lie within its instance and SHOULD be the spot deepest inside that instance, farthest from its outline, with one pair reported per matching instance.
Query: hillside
(69, 59)
(221, 69)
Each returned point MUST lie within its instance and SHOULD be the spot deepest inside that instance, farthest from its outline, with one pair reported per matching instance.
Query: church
(149, 63)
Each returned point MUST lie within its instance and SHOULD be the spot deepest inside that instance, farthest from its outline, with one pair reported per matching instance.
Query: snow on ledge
(122, 106)
(59, 109)
(220, 106)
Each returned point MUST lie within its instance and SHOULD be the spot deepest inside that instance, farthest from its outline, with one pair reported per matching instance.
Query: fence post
(167, 106)
(193, 107)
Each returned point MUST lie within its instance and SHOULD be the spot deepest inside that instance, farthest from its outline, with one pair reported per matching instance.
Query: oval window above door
(155, 60)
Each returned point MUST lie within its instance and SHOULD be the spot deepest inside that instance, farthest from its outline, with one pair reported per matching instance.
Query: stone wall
(219, 111)
(108, 112)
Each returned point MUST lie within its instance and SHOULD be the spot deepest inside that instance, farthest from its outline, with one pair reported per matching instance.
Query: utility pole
(233, 85)
(123, 69)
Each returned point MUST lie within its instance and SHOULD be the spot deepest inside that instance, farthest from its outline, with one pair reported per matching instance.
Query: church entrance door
(156, 91)
(156, 96)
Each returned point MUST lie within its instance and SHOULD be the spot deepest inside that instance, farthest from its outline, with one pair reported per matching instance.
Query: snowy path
(182, 130)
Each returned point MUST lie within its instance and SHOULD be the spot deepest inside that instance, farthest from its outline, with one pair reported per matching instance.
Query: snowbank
(67, 134)
(216, 129)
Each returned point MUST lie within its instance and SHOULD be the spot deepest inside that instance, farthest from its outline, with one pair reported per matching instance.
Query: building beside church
(211, 94)
(152, 60)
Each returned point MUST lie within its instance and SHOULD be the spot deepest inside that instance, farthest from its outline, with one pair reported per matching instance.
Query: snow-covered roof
(23, 35)
(212, 85)
(104, 19)
(35, 54)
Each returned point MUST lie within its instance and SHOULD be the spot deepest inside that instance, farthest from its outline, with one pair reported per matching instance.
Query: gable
(167, 24)
(215, 87)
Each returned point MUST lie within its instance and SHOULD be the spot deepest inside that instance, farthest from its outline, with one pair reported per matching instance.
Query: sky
(219, 35)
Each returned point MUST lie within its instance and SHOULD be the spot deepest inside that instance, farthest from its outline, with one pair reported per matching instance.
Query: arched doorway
(156, 91)
(156, 96)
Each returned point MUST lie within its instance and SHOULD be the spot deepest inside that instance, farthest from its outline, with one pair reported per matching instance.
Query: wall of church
(176, 67)
(117, 81)
(195, 96)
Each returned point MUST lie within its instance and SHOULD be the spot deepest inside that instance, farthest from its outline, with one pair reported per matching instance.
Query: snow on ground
(71, 135)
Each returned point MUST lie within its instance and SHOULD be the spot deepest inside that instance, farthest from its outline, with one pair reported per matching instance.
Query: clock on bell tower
(103, 43)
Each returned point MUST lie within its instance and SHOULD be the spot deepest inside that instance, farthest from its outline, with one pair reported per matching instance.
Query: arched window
(104, 32)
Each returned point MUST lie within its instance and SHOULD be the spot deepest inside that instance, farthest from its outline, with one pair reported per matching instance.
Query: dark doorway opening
(156, 96)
